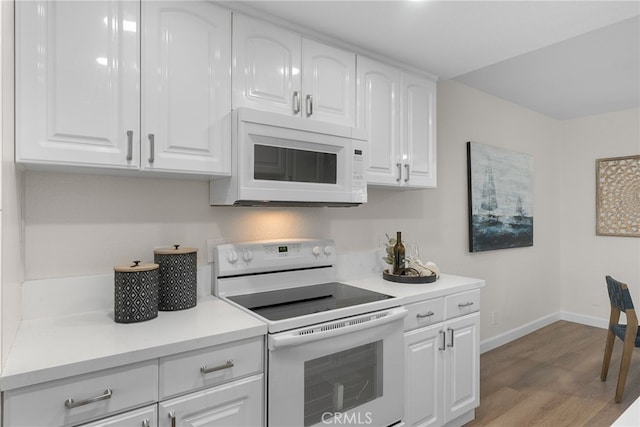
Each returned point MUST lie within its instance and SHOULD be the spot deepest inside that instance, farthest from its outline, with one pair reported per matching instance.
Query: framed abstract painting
(618, 196)
(500, 189)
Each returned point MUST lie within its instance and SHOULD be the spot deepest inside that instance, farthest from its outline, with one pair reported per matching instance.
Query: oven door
(345, 372)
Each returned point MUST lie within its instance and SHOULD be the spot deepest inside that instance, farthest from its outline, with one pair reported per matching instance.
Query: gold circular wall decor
(618, 196)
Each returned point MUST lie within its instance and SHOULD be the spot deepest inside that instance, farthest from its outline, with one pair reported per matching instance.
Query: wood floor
(552, 378)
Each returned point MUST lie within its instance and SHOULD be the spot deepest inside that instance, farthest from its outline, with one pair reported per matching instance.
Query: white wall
(80, 224)
(587, 258)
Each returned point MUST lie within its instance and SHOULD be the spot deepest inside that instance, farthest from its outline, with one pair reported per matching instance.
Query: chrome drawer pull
(146, 422)
(296, 102)
(309, 105)
(70, 403)
(129, 145)
(152, 148)
(408, 172)
(172, 417)
(227, 365)
(399, 166)
(466, 304)
(444, 339)
(422, 316)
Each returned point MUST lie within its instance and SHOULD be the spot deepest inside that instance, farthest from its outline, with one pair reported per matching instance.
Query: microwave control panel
(358, 172)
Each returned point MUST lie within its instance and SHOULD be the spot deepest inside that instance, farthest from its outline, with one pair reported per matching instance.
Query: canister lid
(135, 266)
(176, 249)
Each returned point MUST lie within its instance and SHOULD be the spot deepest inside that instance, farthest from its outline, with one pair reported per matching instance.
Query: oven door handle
(335, 328)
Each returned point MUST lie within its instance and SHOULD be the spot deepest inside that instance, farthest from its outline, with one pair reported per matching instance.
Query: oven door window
(342, 381)
(294, 165)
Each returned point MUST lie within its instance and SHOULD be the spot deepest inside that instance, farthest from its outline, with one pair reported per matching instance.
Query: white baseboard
(514, 334)
(597, 322)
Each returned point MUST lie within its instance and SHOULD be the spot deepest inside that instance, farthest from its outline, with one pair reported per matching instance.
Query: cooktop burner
(294, 302)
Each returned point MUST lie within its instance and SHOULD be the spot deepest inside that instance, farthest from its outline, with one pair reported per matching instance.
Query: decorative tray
(408, 279)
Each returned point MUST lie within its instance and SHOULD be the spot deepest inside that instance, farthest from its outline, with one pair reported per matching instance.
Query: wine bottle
(398, 255)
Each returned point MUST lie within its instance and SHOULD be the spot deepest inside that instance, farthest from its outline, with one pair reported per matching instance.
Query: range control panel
(233, 259)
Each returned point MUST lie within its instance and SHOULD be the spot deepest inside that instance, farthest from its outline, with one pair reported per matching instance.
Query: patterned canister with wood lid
(135, 292)
(178, 277)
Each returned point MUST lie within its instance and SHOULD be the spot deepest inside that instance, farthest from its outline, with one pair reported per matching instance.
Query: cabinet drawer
(96, 395)
(235, 404)
(214, 365)
(145, 417)
(424, 313)
(462, 303)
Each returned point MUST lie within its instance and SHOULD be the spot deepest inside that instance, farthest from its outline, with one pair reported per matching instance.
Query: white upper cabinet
(80, 67)
(279, 71)
(77, 83)
(266, 67)
(418, 131)
(328, 83)
(379, 113)
(398, 111)
(186, 87)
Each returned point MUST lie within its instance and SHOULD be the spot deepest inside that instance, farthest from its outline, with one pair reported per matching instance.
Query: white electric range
(335, 351)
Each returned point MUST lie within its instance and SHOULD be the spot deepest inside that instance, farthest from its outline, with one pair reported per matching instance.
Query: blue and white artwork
(500, 198)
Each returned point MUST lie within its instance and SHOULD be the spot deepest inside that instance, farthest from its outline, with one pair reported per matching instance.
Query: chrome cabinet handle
(296, 102)
(407, 178)
(152, 148)
(309, 105)
(146, 422)
(71, 403)
(172, 417)
(450, 345)
(422, 316)
(227, 365)
(444, 338)
(465, 304)
(399, 166)
(129, 145)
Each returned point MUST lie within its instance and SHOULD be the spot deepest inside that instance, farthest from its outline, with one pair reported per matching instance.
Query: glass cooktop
(287, 303)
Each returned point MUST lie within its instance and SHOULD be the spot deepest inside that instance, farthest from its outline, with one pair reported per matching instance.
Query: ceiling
(565, 59)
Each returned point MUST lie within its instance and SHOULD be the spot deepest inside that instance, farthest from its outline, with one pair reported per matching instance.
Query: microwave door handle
(293, 338)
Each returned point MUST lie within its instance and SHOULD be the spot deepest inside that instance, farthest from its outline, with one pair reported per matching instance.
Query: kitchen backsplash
(71, 295)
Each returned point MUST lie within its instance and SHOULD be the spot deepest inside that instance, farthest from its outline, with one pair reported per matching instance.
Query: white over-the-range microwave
(292, 161)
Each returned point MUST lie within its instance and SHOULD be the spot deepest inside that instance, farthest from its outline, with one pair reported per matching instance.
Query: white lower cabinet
(239, 403)
(79, 399)
(226, 388)
(442, 362)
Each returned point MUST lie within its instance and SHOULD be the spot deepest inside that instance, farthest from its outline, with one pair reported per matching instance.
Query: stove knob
(316, 250)
(232, 257)
(327, 250)
(247, 256)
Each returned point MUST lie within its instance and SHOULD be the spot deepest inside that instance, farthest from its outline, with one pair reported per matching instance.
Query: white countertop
(56, 347)
(409, 293)
(59, 346)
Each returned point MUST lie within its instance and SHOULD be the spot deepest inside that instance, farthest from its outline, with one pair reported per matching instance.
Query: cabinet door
(77, 83)
(418, 131)
(236, 404)
(266, 67)
(423, 374)
(462, 366)
(378, 111)
(145, 417)
(328, 83)
(186, 79)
